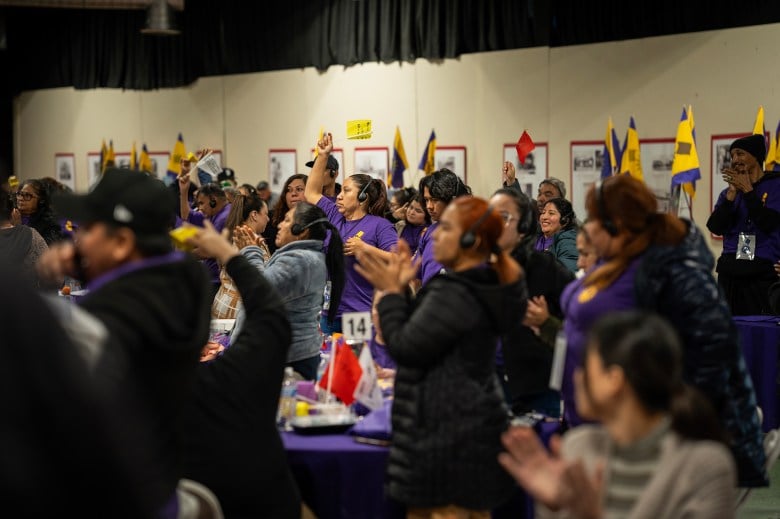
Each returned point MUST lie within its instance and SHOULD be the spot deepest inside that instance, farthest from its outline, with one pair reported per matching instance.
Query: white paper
(559, 359)
(367, 391)
(208, 164)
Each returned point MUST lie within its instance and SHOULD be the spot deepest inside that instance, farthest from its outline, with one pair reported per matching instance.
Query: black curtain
(84, 48)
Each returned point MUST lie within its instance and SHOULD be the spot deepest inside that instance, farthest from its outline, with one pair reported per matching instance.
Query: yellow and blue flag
(611, 157)
(631, 162)
(174, 163)
(145, 162)
(395, 177)
(427, 164)
(773, 155)
(685, 167)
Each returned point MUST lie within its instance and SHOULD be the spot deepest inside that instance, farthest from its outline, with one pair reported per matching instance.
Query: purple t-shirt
(412, 235)
(543, 243)
(218, 221)
(429, 266)
(582, 306)
(377, 231)
(380, 354)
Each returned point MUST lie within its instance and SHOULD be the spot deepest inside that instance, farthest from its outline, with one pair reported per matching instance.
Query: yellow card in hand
(359, 129)
(181, 235)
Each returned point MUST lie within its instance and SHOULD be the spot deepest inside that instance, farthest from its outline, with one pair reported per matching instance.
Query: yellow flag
(109, 158)
(758, 126)
(133, 158)
(145, 162)
(174, 163)
(319, 138)
(631, 162)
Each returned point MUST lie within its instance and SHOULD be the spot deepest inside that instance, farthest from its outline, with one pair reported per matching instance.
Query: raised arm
(313, 191)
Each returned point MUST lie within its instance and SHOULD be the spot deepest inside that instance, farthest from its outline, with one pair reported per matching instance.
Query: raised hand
(325, 145)
(508, 173)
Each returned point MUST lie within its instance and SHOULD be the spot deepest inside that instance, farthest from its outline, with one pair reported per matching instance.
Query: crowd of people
(657, 408)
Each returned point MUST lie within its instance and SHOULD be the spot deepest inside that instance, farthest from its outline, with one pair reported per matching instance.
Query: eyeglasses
(25, 196)
(507, 218)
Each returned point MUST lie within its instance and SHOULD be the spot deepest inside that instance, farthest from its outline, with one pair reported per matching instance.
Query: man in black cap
(747, 215)
(330, 188)
(154, 303)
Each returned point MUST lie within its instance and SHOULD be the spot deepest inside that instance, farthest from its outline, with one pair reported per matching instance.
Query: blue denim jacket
(298, 273)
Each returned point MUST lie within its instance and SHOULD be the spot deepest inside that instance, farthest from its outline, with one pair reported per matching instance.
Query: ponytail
(334, 262)
(693, 416)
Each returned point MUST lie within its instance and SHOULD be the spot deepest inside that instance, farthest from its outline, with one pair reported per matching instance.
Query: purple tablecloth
(340, 478)
(760, 338)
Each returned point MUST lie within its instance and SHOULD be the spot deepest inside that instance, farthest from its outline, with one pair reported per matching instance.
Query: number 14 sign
(356, 326)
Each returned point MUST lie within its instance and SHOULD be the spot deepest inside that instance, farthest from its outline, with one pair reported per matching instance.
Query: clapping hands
(390, 276)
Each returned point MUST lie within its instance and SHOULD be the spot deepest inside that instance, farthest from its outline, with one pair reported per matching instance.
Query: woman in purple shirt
(659, 262)
(358, 214)
(437, 191)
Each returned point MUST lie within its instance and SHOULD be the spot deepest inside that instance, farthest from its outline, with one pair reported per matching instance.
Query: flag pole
(331, 370)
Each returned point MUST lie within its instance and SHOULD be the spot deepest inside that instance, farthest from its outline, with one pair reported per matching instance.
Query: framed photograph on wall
(93, 167)
(657, 157)
(372, 162)
(159, 160)
(587, 158)
(281, 164)
(65, 169)
(720, 158)
(338, 154)
(533, 171)
(452, 158)
(122, 159)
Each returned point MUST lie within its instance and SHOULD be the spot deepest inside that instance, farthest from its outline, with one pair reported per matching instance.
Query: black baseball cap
(332, 163)
(124, 198)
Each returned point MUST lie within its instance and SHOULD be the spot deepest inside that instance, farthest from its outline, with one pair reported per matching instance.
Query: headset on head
(469, 238)
(606, 221)
(363, 195)
(297, 228)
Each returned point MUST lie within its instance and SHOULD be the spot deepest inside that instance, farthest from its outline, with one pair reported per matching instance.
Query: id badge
(746, 248)
(559, 359)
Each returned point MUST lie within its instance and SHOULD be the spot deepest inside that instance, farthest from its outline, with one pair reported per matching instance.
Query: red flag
(347, 373)
(524, 146)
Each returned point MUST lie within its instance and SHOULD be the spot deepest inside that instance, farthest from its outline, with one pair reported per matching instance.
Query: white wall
(480, 101)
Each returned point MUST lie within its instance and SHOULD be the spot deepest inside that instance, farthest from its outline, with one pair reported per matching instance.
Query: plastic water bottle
(287, 399)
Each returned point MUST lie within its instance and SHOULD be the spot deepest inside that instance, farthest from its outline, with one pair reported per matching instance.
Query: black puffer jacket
(448, 412)
(677, 282)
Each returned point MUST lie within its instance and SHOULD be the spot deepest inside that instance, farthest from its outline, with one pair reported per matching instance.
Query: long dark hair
(241, 208)
(376, 191)
(528, 224)
(44, 219)
(646, 347)
(281, 207)
(304, 214)
(633, 209)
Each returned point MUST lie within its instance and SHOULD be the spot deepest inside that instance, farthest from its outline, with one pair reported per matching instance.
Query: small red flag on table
(524, 146)
(346, 373)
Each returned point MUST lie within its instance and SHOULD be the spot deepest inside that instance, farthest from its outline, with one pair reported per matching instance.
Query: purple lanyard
(171, 257)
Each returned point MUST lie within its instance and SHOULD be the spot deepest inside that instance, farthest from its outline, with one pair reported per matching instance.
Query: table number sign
(356, 326)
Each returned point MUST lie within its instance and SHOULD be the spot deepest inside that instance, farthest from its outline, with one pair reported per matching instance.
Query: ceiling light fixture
(160, 19)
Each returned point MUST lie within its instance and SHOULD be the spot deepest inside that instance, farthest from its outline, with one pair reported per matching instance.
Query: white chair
(196, 501)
